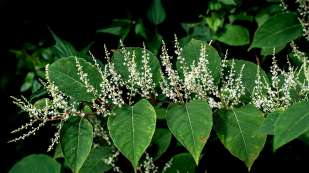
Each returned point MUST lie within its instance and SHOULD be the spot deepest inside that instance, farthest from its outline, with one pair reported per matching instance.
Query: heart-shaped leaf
(238, 130)
(132, 128)
(277, 31)
(95, 162)
(292, 123)
(191, 124)
(36, 163)
(156, 13)
(234, 35)
(64, 74)
(76, 141)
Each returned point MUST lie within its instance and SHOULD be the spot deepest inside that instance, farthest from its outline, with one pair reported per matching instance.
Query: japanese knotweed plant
(104, 109)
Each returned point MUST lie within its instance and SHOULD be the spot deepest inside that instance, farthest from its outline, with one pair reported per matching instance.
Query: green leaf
(42, 103)
(234, 35)
(132, 128)
(36, 163)
(214, 22)
(116, 30)
(265, 13)
(118, 59)
(292, 123)
(228, 2)
(154, 43)
(28, 82)
(191, 52)
(269, 122)
(276, 31)
(95, 162)
(242, 16)
(249, 76)
(156, 13)
(64, 74)
(58, 152)
(182, 163)
(140, 29)
(191, 124)
(160, 142)
(270, 50)
(238, 130)
(63, 48)
(305, 137)
(76, 141)
(119, 27)
(161, 112)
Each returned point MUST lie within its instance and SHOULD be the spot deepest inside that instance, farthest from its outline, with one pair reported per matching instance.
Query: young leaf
(191, 52)
(118, 59)
(36, 163)
(160, 142)
(132, 128)
(238, 130)
(64, 74)
(119, 27)
(277, 30)
(191, 124)
(234, 35)
(95, 161)
(156, 13)
(140, 29)
(29, 79)
(182, 163)
(292, 123)
(76, 141)
(63, 48)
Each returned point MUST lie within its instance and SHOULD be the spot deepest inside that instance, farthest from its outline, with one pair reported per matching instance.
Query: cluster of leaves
(145, 29)
(136, 127)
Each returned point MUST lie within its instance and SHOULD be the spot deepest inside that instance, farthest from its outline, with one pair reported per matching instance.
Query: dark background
(77, 21)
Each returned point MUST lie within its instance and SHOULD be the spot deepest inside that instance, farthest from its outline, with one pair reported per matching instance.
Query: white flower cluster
(148, 165)
(84, 78)
(111, 92)
(56, 109)
(303, 11)
(171, 85)
(167, 165)
(112, 161)
(195, 82)
(232, 89)
(140, 79)
(277, 94)
(199, 80)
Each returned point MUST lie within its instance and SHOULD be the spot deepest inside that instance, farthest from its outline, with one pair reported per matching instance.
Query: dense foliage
(133, 103)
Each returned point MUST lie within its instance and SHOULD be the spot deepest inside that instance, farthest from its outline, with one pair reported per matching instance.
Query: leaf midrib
(133, 131)
(70, 77)
(191, 128)
(275, 33)
(242, 135)
(77, 148)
